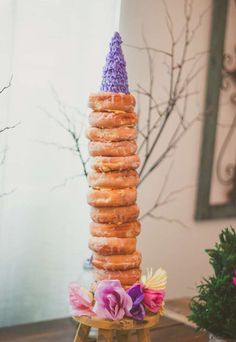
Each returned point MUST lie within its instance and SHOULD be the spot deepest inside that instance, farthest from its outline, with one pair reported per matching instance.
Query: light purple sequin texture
(114, 78)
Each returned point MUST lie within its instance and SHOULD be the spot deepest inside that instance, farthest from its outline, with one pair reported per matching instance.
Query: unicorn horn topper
(114, 78)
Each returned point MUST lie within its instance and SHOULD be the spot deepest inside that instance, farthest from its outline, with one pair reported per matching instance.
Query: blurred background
(55, 51)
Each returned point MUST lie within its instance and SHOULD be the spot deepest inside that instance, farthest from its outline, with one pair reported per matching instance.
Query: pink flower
(80, 300)
(112, 302)
(153, 299)
(234, 278)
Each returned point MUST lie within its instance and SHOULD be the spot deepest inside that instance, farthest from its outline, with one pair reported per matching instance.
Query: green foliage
(214, 307)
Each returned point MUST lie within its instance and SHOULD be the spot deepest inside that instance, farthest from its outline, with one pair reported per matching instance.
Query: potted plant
(213, 309)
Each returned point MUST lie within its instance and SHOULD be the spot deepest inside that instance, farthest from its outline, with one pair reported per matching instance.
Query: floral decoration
(155, 281)
(136, 293)
(153, 300)
(234, 278)
(110, 300)
(81, 301)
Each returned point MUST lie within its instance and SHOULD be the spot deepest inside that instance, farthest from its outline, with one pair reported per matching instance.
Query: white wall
(179, 250)
(44, 233)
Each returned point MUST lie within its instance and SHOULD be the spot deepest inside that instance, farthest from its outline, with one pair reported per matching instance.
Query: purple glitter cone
(114, 78)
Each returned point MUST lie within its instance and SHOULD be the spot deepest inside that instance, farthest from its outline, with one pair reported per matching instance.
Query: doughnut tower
(113, 177)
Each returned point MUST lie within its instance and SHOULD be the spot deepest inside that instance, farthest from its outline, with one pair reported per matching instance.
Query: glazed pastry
(107, 164)
(123, 230)
(112, 245)
(109, 101)
(112, 149)
(112, 197)
(112, 119)
(117, 262)
(113, 180)
(111, 134)
(127, 277)
(115, 215)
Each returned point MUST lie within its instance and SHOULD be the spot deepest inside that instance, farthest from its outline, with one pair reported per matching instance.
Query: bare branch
(169, 22)
(3, 194)
(143, 48)
(66, 180)
(171, 145)
(6, 128)
(178, 93)
(169, 220)
(4, 154)
(168, 198)
(69, 125)
(55, 144)
(163, 186)
(176, 192)
(52, 117)
(199, 24)
(149, 113)
(7, 86)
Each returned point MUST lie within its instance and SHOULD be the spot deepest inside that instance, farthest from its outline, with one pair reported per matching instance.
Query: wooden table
(63, 330)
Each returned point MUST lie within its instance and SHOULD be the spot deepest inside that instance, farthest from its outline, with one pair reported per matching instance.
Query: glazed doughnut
(113, 180)
(127, 277)
(115, 215)
(112, 245)
(112, 149)
(117, 262)
(106, 164)
(107, 101)
(124, 230)
(111, 134)
(112, 197)
(112, 119)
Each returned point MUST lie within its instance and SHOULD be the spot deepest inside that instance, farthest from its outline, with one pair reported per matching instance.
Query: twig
(55, 144)
(168, 198)
(4, 154)
(169, 220)
(167, 150)
(6, 128)
(150, 63)
(143, 48)
(66, 180)
(68, 124)
(3, 194)
(7, 86)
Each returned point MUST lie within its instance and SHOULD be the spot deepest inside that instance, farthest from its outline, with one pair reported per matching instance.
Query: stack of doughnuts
(113, 180)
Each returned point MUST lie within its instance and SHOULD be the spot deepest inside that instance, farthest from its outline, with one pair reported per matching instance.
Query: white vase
(213, 338)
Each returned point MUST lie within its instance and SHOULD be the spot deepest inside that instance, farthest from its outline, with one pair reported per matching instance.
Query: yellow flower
(155, 281)
(162, 309)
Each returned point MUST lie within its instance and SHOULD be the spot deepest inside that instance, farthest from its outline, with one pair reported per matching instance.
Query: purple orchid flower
(136, 293)
(137, 312)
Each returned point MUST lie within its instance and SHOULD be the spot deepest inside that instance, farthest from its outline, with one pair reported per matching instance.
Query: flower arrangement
(111, 301)
(214, 307)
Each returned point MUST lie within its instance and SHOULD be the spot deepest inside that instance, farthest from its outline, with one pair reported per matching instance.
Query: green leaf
(214, 307)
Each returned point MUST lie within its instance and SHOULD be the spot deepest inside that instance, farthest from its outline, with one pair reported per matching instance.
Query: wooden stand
(121, 329)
